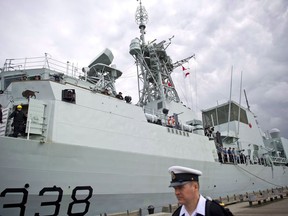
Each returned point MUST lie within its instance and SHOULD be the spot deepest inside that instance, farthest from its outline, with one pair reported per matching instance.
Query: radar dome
(275, 133)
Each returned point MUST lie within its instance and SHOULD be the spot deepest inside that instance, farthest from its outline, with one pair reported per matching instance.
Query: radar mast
(154, 68)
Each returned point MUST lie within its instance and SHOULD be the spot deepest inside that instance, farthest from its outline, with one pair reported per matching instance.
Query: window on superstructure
(220, 114)
(10, 79)
(160, 105)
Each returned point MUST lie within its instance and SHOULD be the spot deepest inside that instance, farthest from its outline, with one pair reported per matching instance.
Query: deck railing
(42, 62)
(280, 160)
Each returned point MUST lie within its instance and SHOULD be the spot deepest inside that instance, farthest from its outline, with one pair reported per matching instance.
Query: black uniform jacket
(19, 117)
(212, 209)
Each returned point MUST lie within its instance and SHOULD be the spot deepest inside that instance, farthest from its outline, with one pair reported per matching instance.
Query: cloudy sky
(250, 36)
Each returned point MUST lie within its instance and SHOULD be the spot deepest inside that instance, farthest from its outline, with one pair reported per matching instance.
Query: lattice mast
(154, 66)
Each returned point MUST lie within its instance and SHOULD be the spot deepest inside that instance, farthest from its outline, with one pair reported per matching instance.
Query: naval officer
(185, 182)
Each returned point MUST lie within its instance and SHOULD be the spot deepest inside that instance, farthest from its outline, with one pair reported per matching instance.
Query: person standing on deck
(19, 119)
(1, 114)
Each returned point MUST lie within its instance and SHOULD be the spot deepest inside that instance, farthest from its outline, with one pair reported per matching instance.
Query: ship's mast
(247, 100)
(154, 66)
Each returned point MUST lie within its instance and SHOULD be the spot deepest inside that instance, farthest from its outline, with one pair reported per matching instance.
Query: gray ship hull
(110, 181)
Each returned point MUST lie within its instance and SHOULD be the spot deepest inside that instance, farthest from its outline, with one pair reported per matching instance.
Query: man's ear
(195, 185)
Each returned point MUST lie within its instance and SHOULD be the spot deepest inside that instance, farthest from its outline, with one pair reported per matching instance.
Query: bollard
(241, 197)
(150, 209)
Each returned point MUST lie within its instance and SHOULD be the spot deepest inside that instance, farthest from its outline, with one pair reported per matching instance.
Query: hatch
(36, 117)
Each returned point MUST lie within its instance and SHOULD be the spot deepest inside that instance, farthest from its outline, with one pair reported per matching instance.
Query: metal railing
(42, 62)
(279, 160)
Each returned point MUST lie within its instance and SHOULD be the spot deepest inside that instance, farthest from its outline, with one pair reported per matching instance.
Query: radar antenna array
(141, 18)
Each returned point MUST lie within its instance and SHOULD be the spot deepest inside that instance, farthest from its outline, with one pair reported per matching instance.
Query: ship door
(36, 117)
(4, 120)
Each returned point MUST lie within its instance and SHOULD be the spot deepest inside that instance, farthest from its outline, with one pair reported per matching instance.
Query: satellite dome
(275, 133)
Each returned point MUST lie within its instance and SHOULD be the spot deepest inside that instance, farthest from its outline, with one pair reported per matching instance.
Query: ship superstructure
(242, 132)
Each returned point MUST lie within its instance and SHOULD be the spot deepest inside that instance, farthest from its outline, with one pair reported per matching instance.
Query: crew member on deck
(185, 183)
(225, 155)
(19, 119)
(230, 154)
(105, 92)
(1, 114)
(119, 96)
(37, 77)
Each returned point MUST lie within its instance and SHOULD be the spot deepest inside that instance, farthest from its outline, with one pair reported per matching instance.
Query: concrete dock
(275, 207)
(269, 202)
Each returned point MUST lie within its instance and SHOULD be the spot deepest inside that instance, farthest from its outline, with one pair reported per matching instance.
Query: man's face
(186, 193)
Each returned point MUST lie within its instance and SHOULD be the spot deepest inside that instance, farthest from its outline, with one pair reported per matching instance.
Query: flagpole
(239, 111)
(217, 120)
(229, 112)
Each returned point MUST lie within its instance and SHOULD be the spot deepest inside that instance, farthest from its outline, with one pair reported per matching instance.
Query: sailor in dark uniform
(186, 186)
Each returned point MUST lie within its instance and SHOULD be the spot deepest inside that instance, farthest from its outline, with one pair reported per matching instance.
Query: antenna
(181, 62)
(141, 18)
(229, 112)
(170, 41)
(246, 100)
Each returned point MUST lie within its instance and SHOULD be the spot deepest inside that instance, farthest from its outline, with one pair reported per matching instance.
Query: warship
(86, 149)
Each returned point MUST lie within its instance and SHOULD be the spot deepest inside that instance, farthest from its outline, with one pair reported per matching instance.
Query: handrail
(278, 159)
(41, 62)
(29, 128)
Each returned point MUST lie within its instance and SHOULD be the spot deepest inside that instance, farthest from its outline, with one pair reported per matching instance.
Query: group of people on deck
(230, 155)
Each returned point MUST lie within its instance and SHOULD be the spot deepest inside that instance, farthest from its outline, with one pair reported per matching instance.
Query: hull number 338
(55, 204)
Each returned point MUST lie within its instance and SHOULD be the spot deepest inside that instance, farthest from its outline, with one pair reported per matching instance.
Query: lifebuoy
(171, 121)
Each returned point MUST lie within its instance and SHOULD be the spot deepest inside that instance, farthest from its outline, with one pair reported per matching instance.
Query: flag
(185, 73)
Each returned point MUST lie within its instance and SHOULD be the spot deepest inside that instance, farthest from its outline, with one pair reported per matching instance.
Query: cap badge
(173, 176)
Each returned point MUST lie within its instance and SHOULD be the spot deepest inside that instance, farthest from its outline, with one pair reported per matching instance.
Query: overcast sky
(251, 36)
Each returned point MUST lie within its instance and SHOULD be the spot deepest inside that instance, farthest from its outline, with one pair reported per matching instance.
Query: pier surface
(276, 207)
